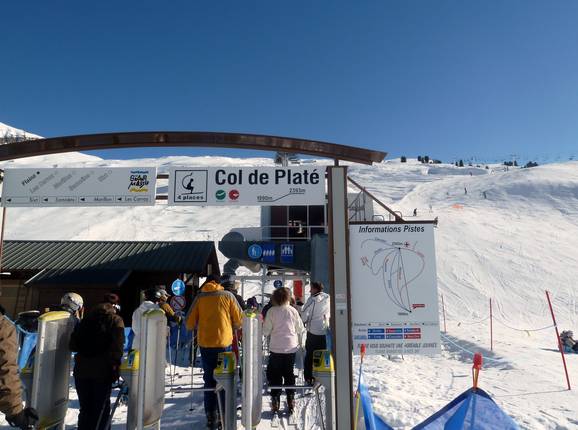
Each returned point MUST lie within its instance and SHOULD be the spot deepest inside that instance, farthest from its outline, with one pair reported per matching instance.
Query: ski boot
(291, 408)
(211, 420)
(275, 404)
(290, 403)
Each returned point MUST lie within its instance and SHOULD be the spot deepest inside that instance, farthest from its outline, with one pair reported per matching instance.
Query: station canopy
(104, 262)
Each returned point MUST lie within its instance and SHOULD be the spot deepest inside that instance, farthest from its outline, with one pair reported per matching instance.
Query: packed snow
(504, 235)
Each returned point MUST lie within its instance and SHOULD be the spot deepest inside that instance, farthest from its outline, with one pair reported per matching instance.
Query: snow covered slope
(8, 131)
(502, 235)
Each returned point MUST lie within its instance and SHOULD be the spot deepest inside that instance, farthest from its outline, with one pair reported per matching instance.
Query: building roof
(89, 256)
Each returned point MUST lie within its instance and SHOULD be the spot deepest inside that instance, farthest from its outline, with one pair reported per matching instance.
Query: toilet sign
(249, 186)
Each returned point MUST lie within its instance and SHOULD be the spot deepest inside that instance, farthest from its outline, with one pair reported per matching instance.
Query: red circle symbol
(234, 194)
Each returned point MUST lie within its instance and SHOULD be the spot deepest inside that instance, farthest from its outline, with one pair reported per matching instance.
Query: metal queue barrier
(324, 374)
(252, 393)
(46, 377)
(144, 373)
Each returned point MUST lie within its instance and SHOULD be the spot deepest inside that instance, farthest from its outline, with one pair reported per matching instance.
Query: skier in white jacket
(315, 314)
(286, 330)
(152, 297)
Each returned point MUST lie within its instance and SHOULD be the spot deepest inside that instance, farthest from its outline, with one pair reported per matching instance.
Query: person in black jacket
(98, 340)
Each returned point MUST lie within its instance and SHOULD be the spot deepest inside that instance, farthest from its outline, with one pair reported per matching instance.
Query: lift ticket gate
(47, 380)
(144, 373)
(225, 376)
(252, 370)
(324, 373)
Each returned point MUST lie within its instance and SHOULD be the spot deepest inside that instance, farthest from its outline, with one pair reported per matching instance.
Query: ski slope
(510, 246)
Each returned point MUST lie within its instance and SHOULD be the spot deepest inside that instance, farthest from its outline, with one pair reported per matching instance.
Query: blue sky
(451, 79)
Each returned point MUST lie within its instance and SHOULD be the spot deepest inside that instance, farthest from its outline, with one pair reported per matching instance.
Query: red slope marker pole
(558, 338)
(477, 366)
(444, 312)
(491, 327)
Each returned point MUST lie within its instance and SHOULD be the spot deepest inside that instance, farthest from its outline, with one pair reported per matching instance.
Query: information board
(96, 186)
(249, 186)
(394, 295)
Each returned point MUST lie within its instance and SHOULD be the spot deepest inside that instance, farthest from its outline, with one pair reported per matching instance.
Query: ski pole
(193, 360)
(172, 375)
(357, 393)
(177, 349)
(123, 390)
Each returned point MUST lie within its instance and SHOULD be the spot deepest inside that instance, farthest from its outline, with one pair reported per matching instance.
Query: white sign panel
(249, 186)
(394, 295)
(98, 186)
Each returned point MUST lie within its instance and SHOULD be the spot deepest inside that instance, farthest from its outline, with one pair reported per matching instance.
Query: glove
(25, 420)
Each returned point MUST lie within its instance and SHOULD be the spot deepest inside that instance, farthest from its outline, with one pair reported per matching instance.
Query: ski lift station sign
(394, 295)
(249, 186)
(61, 187)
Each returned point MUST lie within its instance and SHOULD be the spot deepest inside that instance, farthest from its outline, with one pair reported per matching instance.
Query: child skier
(285, 328)
(568, 342)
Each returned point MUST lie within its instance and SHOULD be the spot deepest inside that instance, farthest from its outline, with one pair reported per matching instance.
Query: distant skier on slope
(568, 342)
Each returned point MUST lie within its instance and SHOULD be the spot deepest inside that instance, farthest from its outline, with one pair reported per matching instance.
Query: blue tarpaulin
(372, 421)
(27, 348)
(471, 410)
(180, 354)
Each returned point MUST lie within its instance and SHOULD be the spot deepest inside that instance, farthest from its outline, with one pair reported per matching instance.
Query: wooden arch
(88, 142)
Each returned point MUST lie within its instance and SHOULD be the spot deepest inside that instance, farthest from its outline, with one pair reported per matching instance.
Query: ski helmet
(73, 301)
(153, 294)
(228, 280)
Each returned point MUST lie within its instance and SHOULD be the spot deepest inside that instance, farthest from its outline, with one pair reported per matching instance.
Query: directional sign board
(259, 186)
(98, 186)
(394, 288)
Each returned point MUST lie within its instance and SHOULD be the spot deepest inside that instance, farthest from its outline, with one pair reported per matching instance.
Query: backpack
(93, 334)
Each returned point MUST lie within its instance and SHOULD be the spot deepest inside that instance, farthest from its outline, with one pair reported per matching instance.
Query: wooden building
(36, 274)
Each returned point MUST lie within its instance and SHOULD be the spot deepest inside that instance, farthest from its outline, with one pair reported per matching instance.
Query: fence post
(491, 327)
(444, 312)
(558, 339)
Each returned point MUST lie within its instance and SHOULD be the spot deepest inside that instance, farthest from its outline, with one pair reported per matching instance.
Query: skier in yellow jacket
(215, 313)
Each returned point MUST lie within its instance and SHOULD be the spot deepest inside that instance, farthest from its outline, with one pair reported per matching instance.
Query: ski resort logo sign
(68, 187)
(249, 186)
(394, 288)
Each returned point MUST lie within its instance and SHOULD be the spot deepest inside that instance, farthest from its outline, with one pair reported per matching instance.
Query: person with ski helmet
(167, 308)
(215, 313)
(230, 284)
(98, 340)
(315, 314)
(72, 303)
(10, 384)
(285, 328)
(152, 297)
